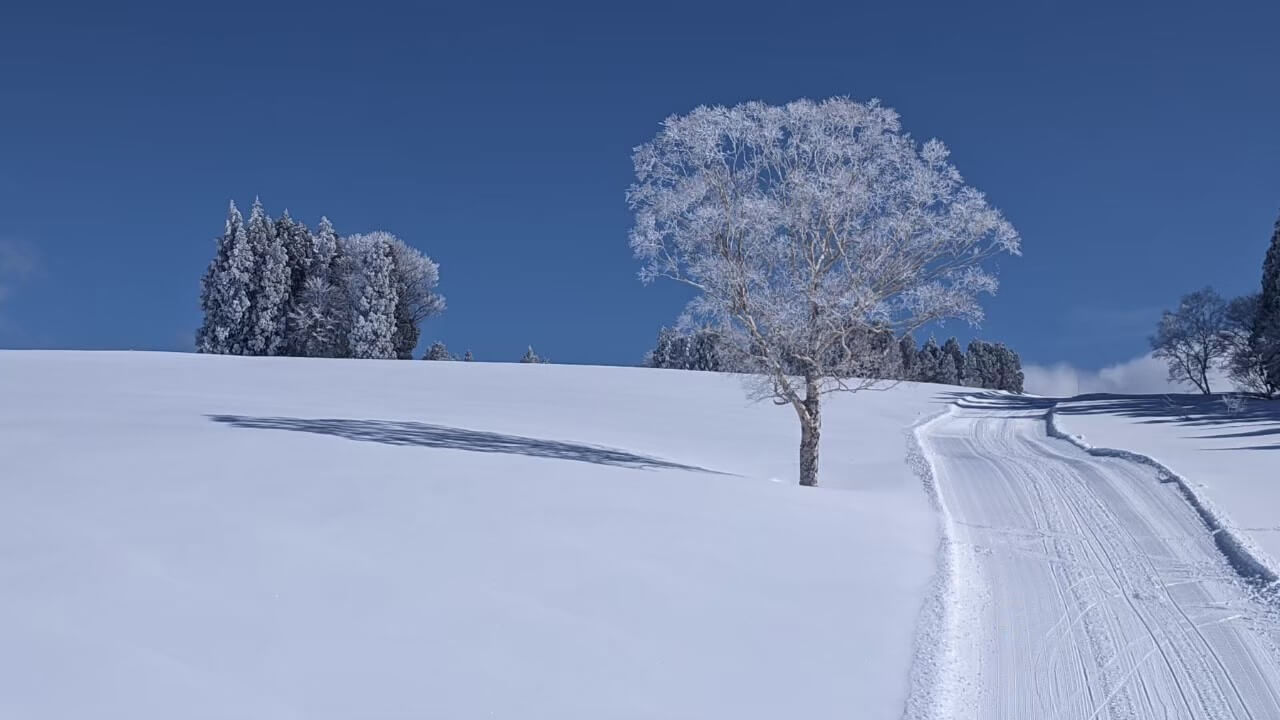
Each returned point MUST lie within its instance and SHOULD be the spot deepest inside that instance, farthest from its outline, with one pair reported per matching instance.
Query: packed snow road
(1084, 587)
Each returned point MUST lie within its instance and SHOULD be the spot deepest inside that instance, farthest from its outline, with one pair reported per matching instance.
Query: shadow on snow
(1256, 418)
(419, 434)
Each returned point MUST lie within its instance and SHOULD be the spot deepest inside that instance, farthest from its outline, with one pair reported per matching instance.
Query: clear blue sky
(1135, 146)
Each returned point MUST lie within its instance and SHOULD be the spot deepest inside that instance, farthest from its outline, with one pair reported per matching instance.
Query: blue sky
(1135, 146)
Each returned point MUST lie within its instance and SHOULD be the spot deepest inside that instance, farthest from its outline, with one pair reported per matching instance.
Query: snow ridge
(1249, 561)
(932, 687)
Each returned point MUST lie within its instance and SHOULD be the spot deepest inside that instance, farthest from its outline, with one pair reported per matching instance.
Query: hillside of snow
(187, 536)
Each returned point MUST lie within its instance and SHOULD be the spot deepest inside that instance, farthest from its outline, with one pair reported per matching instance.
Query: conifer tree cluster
(1264, 335)
(275, 287)
(993, 366)
(698, 350)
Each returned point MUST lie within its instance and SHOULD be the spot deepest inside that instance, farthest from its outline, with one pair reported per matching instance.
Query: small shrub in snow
(1234, 404)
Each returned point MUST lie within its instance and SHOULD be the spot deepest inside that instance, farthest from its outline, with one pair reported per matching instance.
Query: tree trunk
(1203, 382)
(810, 429)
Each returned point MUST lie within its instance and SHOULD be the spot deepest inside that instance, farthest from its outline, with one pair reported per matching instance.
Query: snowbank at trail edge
(213, 537)
(1230, 459)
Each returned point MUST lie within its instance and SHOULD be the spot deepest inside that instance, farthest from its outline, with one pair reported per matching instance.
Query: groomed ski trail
(1088, 587)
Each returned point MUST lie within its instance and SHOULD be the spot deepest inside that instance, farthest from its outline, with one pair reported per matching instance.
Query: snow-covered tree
(929, 362)
(695, 350)
(277, 288)
(1009, 375)
(1192, 340)
(981, 365)
(415, 277)
(531, 357)
(225, 292)
(437, 351)
(468, 357)
(908, 357)
(269, 299)
(1265, 337)
(882, 360)
(874, 353)
(804, 225)
(298, 245)
(324, 249)
(319, 316)
(950, 363)
(972, 375)
(1246, 366)
(371, 295)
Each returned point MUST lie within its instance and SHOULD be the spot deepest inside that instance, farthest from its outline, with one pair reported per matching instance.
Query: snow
(1230, 461)
(211, 537)
(1087, 586)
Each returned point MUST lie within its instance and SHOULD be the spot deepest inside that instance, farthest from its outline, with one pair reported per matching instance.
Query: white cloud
(1141, 375)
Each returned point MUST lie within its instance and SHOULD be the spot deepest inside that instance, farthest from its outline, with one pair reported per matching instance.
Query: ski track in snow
(1090, 588)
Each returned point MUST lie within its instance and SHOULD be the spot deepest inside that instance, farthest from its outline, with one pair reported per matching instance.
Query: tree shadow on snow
(1207, 415)
(419, 434)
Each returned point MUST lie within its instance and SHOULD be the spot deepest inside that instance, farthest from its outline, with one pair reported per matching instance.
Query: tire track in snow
(1090, 589)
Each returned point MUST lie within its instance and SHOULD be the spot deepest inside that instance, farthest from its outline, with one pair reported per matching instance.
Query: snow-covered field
(211, 537)
(189, 536)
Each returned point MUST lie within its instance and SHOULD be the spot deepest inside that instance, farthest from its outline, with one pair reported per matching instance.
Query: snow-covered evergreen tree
(663, 354)
(929, 361)
(468, 357)
(876, 353)
(971, 376)
(298, 246)
(950, 363)
(531, 357)
(1008, 368)
(437, 351)
(981, 365)
(1265, 338)
(324, 249)
(225, 292)
(694, 350)
(318, 320)
(371, 295)
(909, 360)
(269, 299)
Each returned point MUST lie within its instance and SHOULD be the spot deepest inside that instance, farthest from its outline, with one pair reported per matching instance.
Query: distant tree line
(981, 364)
(1207, 333)
(275, 287)
(438, 351)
